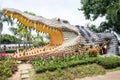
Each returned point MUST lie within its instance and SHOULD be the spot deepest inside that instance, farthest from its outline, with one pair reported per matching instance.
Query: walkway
(24, 72)
(109, 76)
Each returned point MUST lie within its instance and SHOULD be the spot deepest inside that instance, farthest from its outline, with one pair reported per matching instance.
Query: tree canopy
(9, 39)
(98, 8)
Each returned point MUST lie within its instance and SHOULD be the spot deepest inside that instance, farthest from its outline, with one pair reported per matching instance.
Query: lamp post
(1, 25)
(1, 28)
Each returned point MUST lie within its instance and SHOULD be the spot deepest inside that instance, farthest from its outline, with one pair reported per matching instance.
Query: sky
(64, 9)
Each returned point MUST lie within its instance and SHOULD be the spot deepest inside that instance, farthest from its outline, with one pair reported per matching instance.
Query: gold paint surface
(56, 36)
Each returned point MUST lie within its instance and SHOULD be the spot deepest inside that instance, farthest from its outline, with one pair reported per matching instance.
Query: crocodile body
(63, 35)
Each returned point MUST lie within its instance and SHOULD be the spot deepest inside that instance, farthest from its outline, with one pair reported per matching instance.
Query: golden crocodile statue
(63, 35)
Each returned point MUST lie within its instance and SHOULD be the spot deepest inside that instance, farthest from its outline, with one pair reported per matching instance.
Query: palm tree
(15, 33)
(13, 30)
(29, 34)
(3, 18)
(29, 38)
(21, 32)
(24, 32)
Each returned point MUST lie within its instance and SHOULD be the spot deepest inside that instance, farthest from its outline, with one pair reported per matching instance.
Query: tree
(13, 30)
(98, 8)
(8, 39)
(29, 34)
(3, 18)
(38, 40)
(93, 28)
(22, 32)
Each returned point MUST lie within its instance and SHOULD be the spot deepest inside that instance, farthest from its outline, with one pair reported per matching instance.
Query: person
(105, 49)
(4, 47)
(101, 49)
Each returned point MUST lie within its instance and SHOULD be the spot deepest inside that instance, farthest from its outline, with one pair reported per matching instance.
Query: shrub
(62, 60)
(20, 49)
(7, 67)
(40, 69)
(108, 62)
(10, 51)
(51, 65)
(92, 52)
(3, 78)
(7, 72)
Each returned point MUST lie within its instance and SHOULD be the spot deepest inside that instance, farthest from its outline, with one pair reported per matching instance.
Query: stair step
(26, 79)
(25, 76)
(25, 71)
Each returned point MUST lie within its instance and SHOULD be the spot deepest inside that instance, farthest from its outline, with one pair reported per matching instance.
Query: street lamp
(1, 25)
(1, 28)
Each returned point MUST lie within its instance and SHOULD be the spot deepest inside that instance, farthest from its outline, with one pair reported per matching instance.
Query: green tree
(3, 18)
(93, 9)
(38, 40)
(23, 32)
(13, 30)
(93, 28)
(29, 34)
(9, 39)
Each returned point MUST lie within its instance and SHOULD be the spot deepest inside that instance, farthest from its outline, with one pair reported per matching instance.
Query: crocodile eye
(58, 19)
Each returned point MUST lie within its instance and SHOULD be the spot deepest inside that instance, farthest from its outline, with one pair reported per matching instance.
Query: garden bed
(71, 73)
(62, 66)
(8, 66)
(60, 61)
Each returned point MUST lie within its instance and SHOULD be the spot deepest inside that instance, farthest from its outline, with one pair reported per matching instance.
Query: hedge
(106, 62)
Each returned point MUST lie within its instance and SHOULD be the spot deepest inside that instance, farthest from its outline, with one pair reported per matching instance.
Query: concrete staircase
(113, 44)
(93, 35)
(25, 72)
(96, 38)
(113, 47)
(88, 35)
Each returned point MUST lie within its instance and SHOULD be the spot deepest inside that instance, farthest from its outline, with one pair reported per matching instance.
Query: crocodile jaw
(57, 30)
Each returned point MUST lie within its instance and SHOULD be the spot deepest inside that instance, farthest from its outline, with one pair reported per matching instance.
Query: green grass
(73, 67)
(114, 69)
(71, 73)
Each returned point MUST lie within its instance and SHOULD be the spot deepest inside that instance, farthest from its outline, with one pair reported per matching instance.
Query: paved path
(108, 76)
(24, 72)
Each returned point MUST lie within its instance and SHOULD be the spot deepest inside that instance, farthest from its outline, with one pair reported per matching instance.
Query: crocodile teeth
(21, 18)
(27, 21)
(11, 15)
(43, 33)
(35, 25)
(17, 21)
(43, 26)
(15, 16)
(55, 34)
(5, 11)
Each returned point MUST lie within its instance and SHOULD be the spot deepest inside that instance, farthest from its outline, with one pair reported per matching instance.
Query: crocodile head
(62, 33)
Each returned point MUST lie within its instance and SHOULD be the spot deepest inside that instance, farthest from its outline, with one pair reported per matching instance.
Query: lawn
(74, 65)
(71, 73)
